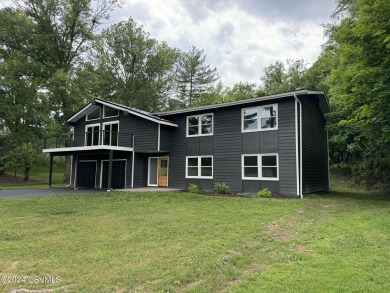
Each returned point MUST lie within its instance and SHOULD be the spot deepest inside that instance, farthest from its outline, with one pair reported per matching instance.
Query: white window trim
(104, 112)
(259, 119)
(199, 167)
(85, 133)
(100, 115)
(200, 125)
(107, 123)
(259, 166)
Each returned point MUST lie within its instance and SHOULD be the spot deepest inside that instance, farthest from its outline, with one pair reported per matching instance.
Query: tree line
(55, 56)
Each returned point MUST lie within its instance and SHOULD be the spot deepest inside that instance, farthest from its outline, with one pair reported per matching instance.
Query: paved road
(17, 193)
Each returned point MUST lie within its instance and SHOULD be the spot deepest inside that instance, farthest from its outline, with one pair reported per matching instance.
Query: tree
(242, 91)
(279, 78)
(194, 76)
(53, 34)
(134, 69)
(359, 85)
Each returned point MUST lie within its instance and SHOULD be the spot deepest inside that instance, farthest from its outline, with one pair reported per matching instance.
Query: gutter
(298, 145)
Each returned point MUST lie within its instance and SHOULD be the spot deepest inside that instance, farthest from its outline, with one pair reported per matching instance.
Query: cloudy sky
(240, 37)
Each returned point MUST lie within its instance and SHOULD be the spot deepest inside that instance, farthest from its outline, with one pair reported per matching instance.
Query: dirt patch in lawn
(281, 234)
(8, 179)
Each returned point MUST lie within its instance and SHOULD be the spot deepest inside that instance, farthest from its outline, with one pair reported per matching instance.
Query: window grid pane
(193, 121)
(192, 171)
(206, 161)
(193, 162)
(250, 161)
(268, 161)
(268, 116)
(269, 172)
(251, 172)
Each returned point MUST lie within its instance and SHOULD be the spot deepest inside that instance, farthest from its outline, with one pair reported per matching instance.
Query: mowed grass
(182, 242)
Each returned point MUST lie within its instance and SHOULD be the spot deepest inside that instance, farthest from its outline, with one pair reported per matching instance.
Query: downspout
(158, 137)
(298, 144)
(132, 167)
(327, 145)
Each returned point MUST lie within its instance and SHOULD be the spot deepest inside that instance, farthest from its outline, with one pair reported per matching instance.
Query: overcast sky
(240, 37)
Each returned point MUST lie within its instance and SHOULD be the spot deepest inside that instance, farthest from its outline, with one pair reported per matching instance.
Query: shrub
(193, 188)
(263, 193)
(222, 187)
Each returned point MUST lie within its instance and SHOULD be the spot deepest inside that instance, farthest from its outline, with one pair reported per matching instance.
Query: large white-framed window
(200, 125)
(93, 115)
(260, 167)
(92, 134)
(260, 118)
(111, 133)
(199, 167)
(110, 112)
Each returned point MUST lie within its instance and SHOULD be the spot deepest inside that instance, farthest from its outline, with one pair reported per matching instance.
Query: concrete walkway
(19, 193)
(150, 189)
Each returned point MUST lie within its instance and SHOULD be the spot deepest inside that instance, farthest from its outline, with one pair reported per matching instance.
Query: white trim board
(88, 148)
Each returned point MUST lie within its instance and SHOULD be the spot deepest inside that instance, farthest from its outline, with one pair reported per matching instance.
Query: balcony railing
(63, 141)
(91, 138)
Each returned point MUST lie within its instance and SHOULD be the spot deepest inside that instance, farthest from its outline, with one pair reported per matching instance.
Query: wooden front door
(163, 172)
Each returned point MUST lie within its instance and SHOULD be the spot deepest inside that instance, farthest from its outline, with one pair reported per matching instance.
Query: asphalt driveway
(18, 193)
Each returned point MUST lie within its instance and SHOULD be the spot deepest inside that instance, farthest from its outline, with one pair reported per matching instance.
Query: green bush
(193, 188)
(263, 193)
(222, 187)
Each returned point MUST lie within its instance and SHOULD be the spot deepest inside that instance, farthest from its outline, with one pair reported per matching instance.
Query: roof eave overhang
(324, 105)
(92, 105)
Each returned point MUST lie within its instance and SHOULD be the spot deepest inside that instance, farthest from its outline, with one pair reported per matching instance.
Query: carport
(112, 170)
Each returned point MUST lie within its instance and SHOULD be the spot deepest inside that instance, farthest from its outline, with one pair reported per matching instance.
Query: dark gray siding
(287, 148)
(165, 137)
(140, 170)
(176, 176)
(314, 147)
(227, 145)
(145, 133)
(79, 133)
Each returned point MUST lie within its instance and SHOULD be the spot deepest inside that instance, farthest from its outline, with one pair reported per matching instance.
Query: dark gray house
(277, 142)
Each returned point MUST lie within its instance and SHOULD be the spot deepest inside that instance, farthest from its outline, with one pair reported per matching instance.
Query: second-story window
(92, 134)
(200, 125)
(111, 133)
(260, 118)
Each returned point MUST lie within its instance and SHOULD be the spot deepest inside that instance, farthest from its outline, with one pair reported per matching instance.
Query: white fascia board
(138, 114)
(87, 148)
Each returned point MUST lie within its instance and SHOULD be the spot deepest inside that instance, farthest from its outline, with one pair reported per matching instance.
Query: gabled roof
(323, 102)
(143, 114)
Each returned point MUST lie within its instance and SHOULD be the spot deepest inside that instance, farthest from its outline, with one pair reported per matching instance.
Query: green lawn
(176, 242)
